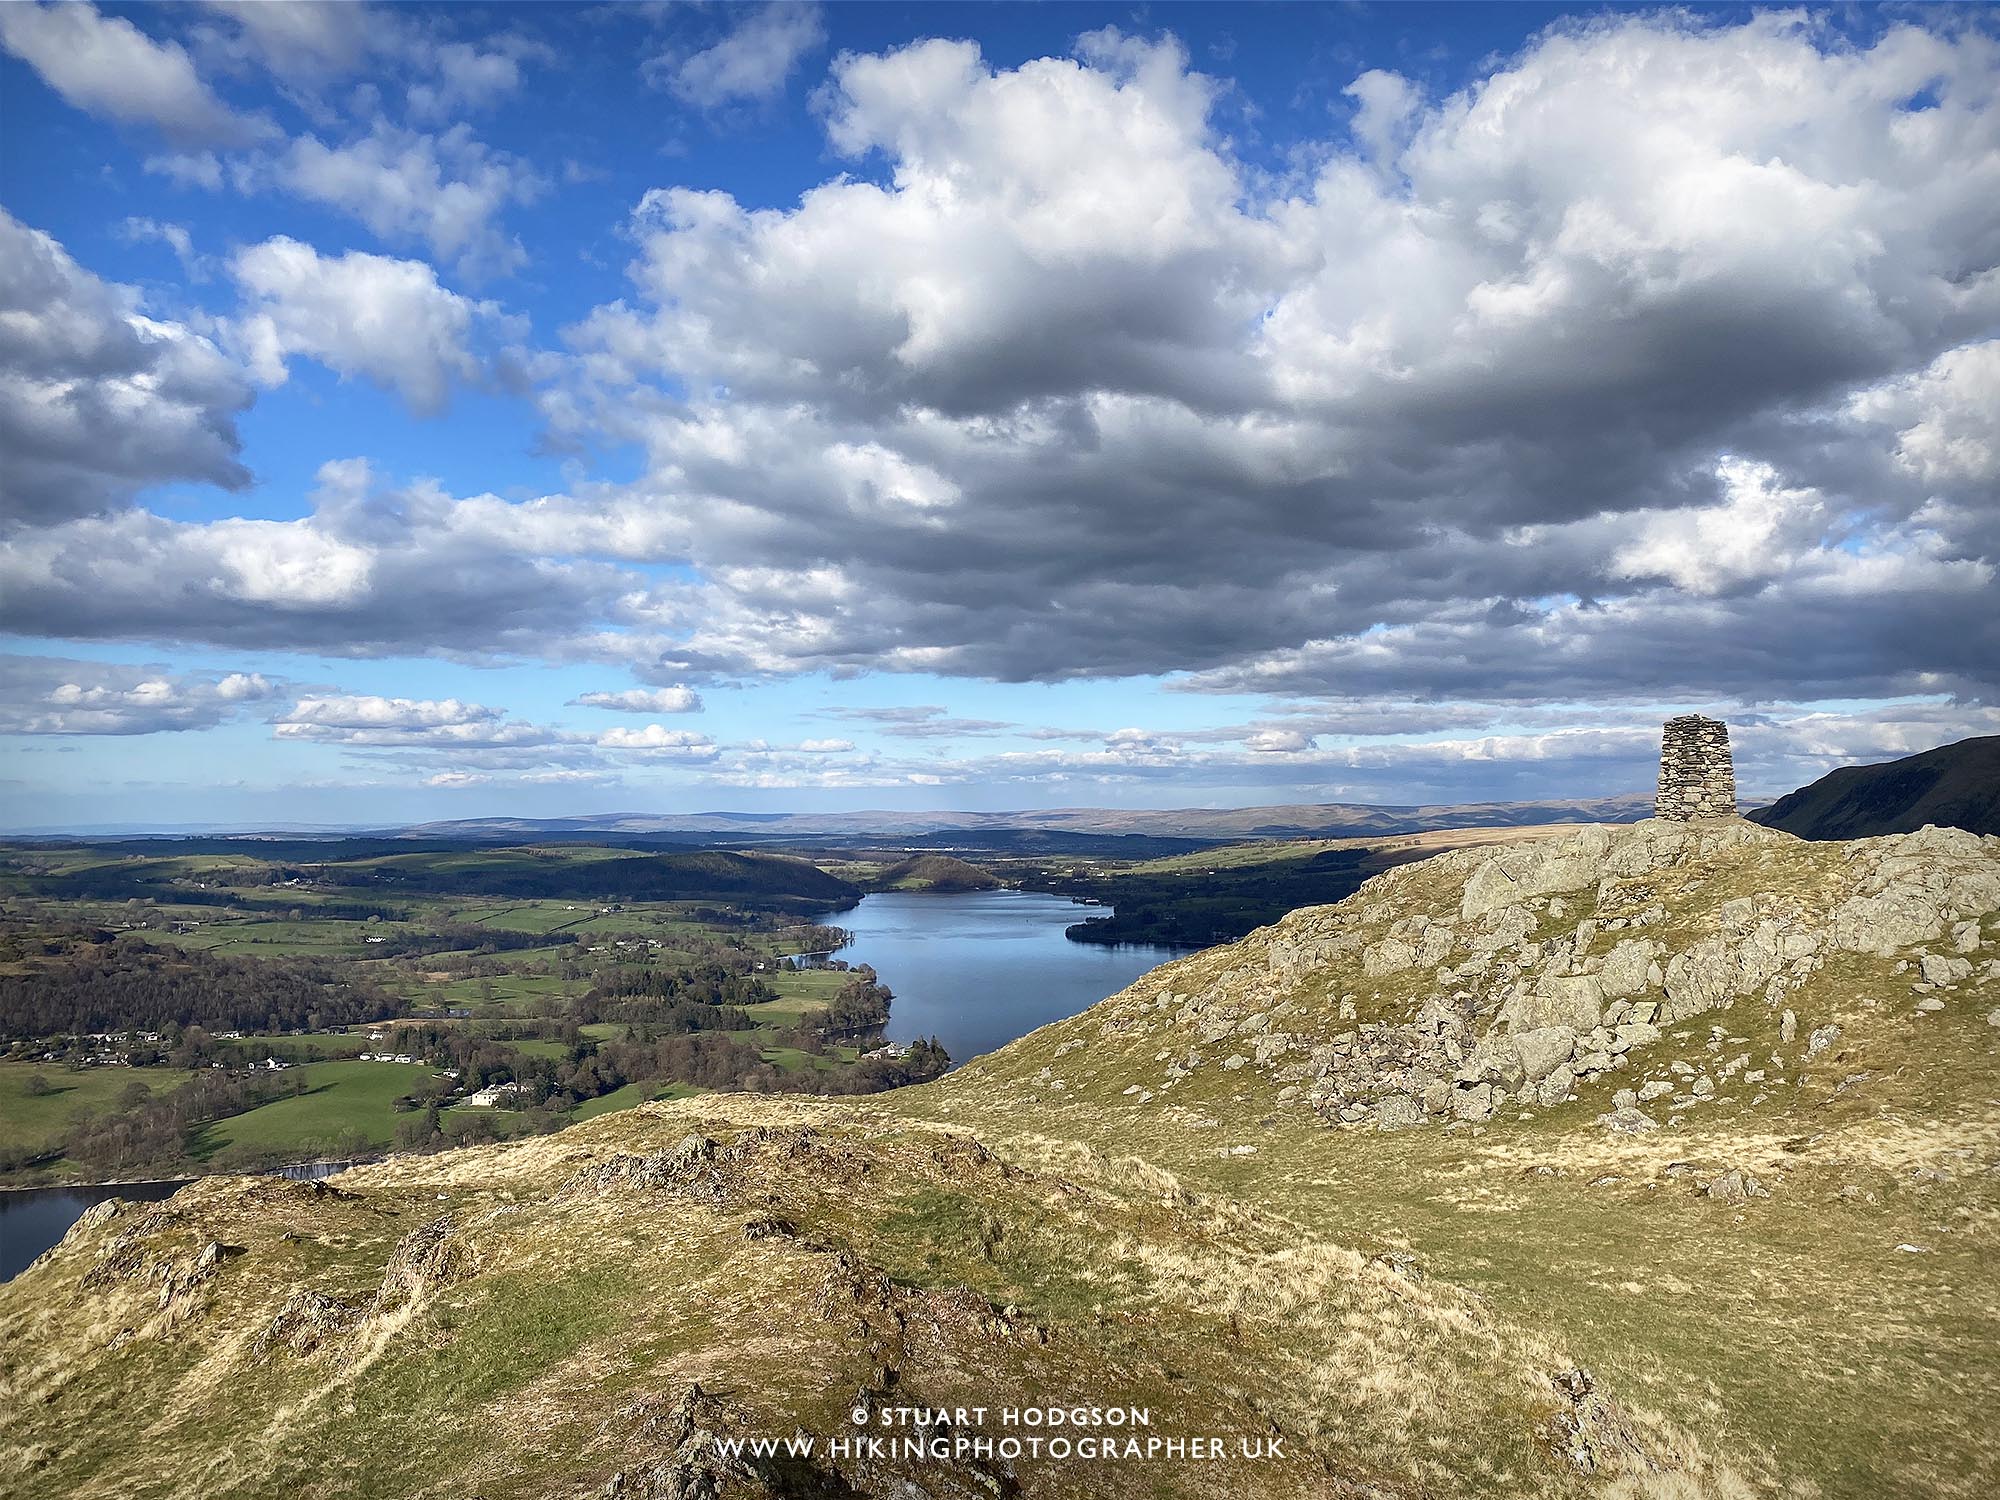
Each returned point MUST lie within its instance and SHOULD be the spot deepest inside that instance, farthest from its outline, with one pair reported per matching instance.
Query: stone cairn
(1697, 776)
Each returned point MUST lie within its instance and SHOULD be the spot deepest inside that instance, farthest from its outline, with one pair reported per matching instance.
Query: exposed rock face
(1488, 982)
(1697, 774)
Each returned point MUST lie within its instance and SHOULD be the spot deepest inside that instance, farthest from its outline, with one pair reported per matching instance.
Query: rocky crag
(1483, 982)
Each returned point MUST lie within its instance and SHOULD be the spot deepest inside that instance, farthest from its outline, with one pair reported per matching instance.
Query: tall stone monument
(1697, 776)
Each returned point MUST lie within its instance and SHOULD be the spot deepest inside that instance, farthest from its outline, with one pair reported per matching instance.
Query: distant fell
(583, 873)
(1296, 820)
(1953, 786)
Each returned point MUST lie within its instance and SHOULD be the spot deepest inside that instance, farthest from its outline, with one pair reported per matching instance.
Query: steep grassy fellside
(1362, 1182)
(1953, 786)
(1857, 1083)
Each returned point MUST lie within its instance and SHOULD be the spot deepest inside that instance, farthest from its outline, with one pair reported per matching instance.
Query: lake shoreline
(69, 1184)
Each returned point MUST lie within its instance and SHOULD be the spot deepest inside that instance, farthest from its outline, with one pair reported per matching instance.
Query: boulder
(1628, 1121)
(1390, 956)
(1473, 1103)
(1398, 1112)
(1634, 1034)
(1556, 1087)
(1735, 1187)
(1543, 1049)
(1625, 966)
(1572, 1000)
(1937, 969)
(1489, 889)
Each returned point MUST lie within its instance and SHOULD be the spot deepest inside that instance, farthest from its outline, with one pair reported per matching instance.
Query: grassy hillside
(934, 872)
(1328, 1185)
(1792, 1331)
(590, 1311)
(1953, 786)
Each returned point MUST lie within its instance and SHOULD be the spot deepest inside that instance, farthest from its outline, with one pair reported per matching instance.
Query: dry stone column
(1697, 775)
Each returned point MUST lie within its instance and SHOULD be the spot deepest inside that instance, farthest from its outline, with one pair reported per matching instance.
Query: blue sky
(422, 412)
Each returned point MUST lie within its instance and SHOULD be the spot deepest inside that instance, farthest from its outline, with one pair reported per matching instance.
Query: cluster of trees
(1197, 908)
(861, 1005)
(685, 997)
(149, 1131)
(132, 985)
(451, 937)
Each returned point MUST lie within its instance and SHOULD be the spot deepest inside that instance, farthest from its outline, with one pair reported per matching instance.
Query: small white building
(491, 1095)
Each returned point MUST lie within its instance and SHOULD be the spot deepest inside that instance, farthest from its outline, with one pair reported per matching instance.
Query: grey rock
(1575, 1001)
(1543, 1049)
(1735, 1186)
(1628, 1121)
(1474, 1103)
(1556, 1087)
(1398, 1112)
(1938, 969)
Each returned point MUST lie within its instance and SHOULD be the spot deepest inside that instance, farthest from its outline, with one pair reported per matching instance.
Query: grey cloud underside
(1160, 450)
(1660, 366)
(95, 403)
(42, 695)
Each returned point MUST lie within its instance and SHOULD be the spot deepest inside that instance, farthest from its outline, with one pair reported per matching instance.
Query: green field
(631, 1096)
(277, 937)
(29, 1120)
(540, 1048)
(339, 1097)
(268, 910)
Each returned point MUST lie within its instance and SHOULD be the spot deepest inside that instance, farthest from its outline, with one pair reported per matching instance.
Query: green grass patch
(340, 1097)
(631, 1096)
(29, 1119)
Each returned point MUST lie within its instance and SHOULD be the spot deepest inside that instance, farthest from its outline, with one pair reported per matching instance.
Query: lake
(975, 969)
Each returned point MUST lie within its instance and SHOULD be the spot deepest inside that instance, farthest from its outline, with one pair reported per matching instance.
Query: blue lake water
(975, 969)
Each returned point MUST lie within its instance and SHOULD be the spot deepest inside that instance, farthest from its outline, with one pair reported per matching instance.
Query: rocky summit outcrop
(1491, 981)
